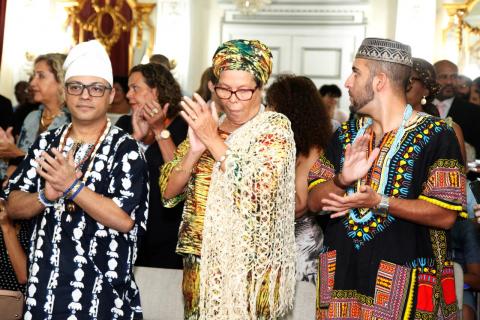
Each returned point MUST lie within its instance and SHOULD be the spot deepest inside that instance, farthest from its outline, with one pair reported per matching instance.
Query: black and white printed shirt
(78, 268)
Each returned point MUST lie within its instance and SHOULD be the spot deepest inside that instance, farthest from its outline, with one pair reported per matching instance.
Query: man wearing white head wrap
(89, 59)
(78, 180)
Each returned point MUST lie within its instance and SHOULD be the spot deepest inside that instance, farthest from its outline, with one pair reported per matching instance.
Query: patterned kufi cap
(426, 72)
(247, 55)
(385, 50)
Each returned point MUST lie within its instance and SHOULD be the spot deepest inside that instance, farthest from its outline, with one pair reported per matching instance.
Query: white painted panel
(311, 65)
(327, 56)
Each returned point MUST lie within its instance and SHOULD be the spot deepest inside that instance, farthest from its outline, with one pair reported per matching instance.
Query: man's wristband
(76, 190)
(338, 183)
(66, 192)
(43, 199)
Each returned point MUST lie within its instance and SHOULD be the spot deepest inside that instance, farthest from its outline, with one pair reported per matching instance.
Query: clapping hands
(59, 172)
(7, 144)
(150, 117)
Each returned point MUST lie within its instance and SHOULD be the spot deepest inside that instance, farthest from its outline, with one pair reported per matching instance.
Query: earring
(423, 101)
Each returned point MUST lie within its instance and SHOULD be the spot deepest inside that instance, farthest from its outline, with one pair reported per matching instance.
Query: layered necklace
(89, 153)
(388, 158)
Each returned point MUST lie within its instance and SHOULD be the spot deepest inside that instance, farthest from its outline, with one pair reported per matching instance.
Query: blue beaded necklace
(391, 152)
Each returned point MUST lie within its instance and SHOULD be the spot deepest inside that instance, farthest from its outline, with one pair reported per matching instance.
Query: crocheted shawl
(248, 235)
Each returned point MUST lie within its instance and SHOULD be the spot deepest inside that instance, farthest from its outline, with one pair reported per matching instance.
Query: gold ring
(155, 110)
(194, 119)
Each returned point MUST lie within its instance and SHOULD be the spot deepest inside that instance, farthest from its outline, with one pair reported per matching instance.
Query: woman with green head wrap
(237, 176)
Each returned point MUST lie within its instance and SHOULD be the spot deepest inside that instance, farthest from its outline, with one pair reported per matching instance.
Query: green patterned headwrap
(247, 55)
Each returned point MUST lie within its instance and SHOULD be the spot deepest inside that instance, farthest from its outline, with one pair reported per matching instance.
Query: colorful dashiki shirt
(377, 267)
(78, 268)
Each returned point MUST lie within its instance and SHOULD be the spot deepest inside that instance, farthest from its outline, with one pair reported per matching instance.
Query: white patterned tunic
(78, 268)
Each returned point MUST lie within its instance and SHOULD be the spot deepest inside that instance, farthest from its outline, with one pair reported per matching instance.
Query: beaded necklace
(92, 150)
(70, 205)
(388, 157)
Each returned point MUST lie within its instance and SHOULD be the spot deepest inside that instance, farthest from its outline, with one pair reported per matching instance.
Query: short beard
(364, 99)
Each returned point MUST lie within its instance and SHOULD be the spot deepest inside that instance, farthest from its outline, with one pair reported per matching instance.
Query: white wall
(32, 27)
(381, 18)
(206, 17)
(417, 18)
(173, 34)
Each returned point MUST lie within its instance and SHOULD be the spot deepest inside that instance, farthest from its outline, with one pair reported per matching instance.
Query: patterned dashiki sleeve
(165, 171)
(327, 164)
(128, 186)
(445, 185)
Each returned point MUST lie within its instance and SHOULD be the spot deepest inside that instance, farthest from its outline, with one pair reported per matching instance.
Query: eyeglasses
(94, 89)
(241, 94)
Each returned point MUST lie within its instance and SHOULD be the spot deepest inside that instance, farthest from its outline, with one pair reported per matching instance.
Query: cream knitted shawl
(248, 234)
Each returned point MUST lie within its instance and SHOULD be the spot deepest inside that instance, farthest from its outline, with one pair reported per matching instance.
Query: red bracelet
(338, 183)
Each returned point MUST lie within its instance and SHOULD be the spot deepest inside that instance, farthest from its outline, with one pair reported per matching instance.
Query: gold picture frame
(142, 30)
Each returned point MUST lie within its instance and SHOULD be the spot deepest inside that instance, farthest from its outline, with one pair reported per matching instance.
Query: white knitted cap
(88, 59)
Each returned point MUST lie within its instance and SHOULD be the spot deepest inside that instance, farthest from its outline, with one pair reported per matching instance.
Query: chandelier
(251, 6)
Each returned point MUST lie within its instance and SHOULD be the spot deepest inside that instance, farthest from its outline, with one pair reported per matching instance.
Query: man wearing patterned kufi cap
(86, 184)
(237, 175)
(393, 183)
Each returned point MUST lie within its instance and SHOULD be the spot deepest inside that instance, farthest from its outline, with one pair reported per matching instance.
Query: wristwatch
(164, 134)
(381, 209)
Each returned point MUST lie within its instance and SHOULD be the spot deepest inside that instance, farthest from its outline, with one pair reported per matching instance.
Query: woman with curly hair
(154, 96)
(299, 100)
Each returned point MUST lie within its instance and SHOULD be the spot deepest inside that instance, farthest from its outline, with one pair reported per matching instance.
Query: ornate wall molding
(289, 12)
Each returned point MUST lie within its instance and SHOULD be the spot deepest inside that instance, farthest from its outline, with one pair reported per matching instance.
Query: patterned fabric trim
(326, 266)
(392, 290)
(445, 205)
(321, 169)
(447, 182)
(349, 304)
(395, 289)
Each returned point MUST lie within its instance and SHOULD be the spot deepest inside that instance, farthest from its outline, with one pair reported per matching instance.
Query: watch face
(380, 212)
(165, 134)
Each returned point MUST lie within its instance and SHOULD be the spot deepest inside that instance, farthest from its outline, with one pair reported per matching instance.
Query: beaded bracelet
(43, 199)
(66, 192)
(76, 190)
